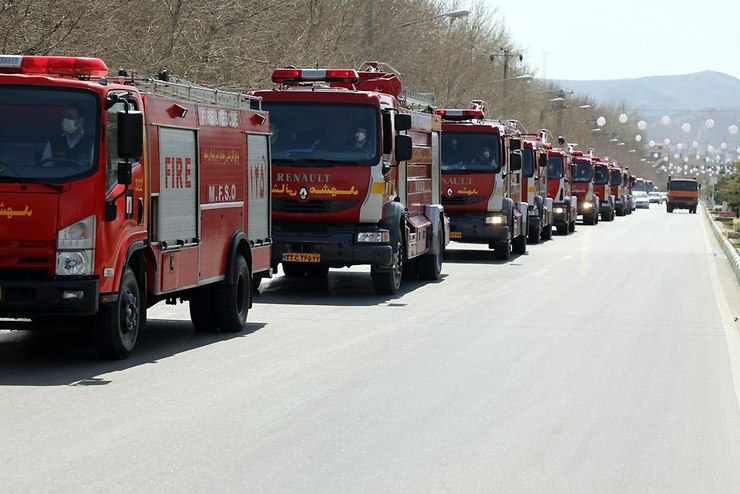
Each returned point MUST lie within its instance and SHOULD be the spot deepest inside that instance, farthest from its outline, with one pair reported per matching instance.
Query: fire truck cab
(481, 184)
(583, 178)
(118, 193)
(356, 173)
(559, 188)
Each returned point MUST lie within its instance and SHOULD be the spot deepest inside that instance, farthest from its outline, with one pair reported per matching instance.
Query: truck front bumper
(49, 298)
(560, 213)
(334, 245)
(478, 228)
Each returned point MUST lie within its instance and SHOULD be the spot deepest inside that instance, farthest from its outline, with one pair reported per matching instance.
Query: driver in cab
(72, 146)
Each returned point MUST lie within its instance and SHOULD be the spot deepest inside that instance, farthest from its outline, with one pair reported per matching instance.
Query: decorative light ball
(665, 158)
(651, 143)
(732, 129)
(723, 146)
(710, 148)
(642, 125)
(601, 121)
(623, 118)
(638, 137)
(738, 150)
(665, 120)
(679, 146)
(666, 141)
(686, 159)
(709, 123)
(686, 127)
(698, 156)
(695, 144)
(655, 155)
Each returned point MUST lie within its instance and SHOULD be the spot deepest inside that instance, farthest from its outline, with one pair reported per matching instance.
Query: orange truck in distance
(683, 193)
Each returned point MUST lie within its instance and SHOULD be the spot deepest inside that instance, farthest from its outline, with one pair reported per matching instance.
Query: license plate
(301, 257)
(455, 234)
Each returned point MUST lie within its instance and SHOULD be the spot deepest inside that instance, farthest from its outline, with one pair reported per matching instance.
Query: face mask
(360, 137)
(69, 125)
(486, 154)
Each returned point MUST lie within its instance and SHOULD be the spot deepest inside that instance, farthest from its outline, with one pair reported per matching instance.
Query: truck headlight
(76, 248)
(495, 220)
(373, 237)
(558, 210)
(587, 205)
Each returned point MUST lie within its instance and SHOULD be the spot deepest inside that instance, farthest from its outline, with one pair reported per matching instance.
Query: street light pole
(455, 14)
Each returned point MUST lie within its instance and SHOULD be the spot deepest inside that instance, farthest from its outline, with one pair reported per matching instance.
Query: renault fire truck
(558, 187)
(602, 189)
(164, 196)
(356, 175)
(481, 190)
(534, 186)
(618, 182)
(583, 177)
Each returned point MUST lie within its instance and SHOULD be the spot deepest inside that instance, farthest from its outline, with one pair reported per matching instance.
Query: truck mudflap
(51, 298)
(547, 216)
(435, 213)
(337, 247)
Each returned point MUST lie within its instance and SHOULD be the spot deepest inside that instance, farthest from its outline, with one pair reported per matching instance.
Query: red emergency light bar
(61, 66)
(287, 76)
(460, 114)
(577, 153)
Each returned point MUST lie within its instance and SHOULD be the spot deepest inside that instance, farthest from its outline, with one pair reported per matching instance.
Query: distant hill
(690, 98)
(699, 91)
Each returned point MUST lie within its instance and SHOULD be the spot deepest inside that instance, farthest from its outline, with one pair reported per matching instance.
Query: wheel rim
(129, 317)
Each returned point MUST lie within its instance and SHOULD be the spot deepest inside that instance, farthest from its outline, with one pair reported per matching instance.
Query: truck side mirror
(515, 143)
(515, 161)
(403, 121)
(543, 160)
(130, 135)
(404, 148)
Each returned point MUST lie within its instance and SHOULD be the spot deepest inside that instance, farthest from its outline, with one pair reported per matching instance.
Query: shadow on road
(69, 358)
(480, 256)
(341, 288)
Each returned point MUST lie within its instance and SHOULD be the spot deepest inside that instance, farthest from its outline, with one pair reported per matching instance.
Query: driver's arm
(47, 152)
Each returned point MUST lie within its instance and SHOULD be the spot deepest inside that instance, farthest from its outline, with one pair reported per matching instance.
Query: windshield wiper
(23, 180)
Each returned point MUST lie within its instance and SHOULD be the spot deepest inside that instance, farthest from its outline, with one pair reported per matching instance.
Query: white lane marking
(731, 335)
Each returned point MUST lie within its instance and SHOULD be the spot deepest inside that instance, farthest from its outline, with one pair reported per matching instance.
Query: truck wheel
(669, 209)
(202, 310)
(535, 235)
(572, 226)
(317, 271)
(519, 245)
(117, 324)
(429, 266)
(293, 270)
(232, 299)
(547, 232)
(502, 251)
(563, 229)
(388, 281)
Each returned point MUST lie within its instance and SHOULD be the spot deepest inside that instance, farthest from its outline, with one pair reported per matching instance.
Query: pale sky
(624, 39)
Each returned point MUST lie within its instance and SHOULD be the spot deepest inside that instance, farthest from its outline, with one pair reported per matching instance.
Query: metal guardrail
(730, 251)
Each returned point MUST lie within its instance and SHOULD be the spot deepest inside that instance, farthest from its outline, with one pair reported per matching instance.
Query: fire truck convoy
(167, 197)
(558, 187)
(356, 175)
(481, 189)
(583, 177)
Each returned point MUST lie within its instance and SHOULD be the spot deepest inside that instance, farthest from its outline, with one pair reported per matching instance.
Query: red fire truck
(118, 193)
(534, 186)
(355, 175)
(480, 190)
(602, 188)
(618, 180)
(582, 186)
(558, 187)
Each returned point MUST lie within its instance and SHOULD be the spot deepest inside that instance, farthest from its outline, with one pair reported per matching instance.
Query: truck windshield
(47, 134)
(316, 134)
(601, 175)
(581, 172)
(686, 185)
(555, 167)
(616, 178)
(528, 162)
(470, 152)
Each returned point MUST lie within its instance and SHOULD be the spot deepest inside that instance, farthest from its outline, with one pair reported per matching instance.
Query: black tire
(117, 324)
(294, 270)
(232, 299)
(519, 245)
(535, 235)
(572, 226)
(429, 266)
(669, 209)
(317, 270)
(202, 310)
(563, 229)
(388, 280)
(502, 251)
(547, 232)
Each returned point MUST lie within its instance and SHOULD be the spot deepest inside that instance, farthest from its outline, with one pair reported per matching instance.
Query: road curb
(732, 256)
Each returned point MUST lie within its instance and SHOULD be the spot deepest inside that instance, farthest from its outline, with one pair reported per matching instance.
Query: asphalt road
(605, 361)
